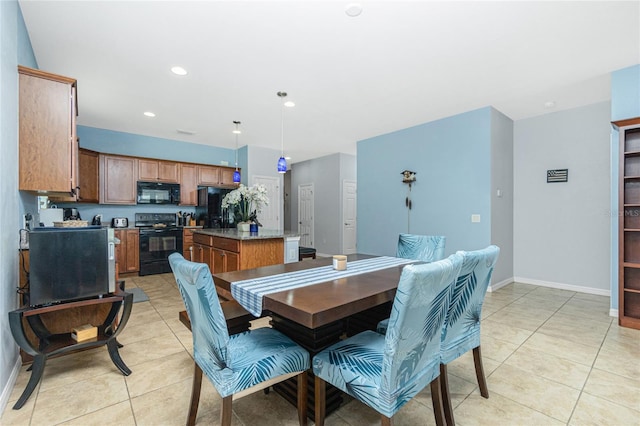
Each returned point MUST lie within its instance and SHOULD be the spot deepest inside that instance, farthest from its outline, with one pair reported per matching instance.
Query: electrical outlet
(24, 239)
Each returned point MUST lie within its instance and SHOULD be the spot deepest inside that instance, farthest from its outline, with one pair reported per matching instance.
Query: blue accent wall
(625, 93)
(113, 142)
(452, 159)
(26, 56)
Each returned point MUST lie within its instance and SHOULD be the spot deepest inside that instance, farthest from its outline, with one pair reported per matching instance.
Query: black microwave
(158, 193)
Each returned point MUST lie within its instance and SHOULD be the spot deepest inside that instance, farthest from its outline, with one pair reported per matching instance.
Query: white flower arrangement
(247, 202)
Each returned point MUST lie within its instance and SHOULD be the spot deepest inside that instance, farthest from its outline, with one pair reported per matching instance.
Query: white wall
(561, 230)
(326, 174)
(502, 205)
(259, 164)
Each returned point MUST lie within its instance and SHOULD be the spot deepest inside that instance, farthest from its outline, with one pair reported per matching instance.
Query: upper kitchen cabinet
(48, 147)
(158, 171)
(118, 179)
(216, 176)
(188, 184)
(89, 191)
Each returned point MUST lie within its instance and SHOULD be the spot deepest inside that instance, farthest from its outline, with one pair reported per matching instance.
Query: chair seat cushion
(257, 356)
(355, 366)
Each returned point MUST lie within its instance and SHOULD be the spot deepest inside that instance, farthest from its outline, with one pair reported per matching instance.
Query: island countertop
(234, 234)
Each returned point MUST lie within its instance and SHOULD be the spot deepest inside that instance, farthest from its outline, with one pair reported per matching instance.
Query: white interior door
(305, 214)
(269, 217)
(349, 216)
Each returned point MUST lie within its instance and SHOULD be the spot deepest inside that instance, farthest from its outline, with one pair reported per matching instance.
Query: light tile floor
(551, 357)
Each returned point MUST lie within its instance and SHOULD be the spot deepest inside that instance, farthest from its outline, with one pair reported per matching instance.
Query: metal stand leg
(37, 368)
(112, 346)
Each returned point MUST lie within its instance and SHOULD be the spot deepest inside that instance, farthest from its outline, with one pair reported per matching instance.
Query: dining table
(316, 315)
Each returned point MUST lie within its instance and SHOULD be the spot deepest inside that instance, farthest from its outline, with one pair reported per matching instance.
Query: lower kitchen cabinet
(128, 251)
(230, 254)
(187, 244)
(225, 261)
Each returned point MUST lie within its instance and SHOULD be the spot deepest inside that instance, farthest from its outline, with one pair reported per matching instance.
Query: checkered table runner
(249, 293)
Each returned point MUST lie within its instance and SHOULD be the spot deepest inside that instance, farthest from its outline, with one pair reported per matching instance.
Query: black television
(68, 264)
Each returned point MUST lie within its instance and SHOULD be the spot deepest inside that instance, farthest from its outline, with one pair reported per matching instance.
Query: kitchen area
(159, 224)
(156, 206)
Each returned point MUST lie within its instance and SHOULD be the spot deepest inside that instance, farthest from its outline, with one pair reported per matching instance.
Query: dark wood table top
(320, 304)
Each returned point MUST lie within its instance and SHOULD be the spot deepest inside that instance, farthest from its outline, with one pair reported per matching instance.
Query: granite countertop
(232, 233)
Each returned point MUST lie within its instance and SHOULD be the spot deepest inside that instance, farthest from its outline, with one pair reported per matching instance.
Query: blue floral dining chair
(427, 248)
(236, 365)
(387, 371)
(461, 330)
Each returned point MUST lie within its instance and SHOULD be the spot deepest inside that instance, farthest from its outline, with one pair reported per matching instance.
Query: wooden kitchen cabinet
(226, 176)
(128, 251)
(89, 188)
(187, 243)
(208, 175)
(202, 250)
(48, 146)
(225, 261)
(118, 179)
(216, 176)
(158, 171)
(229, 254)
(226, 255)
(188, 184)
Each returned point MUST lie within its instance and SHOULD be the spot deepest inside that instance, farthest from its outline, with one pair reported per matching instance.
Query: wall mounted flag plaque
(557, 175)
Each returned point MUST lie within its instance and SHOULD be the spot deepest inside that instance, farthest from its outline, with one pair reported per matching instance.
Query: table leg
(37, 368)
(313, 340)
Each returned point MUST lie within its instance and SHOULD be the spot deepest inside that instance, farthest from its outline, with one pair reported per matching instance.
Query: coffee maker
(70, 214)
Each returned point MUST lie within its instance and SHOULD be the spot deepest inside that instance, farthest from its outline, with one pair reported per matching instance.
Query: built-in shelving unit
(629, 224)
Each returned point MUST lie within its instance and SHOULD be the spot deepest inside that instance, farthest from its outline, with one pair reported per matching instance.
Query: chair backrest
(419, 310)
(427, 248)
(208, 325)
(463, 318)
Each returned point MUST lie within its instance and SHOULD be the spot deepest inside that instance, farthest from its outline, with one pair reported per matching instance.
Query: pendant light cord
(237, 132)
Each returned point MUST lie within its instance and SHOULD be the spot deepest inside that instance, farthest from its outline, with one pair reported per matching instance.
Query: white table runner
(249, 293)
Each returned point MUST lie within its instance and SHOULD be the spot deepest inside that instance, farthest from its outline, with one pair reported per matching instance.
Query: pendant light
(282, 163)
(236, 174)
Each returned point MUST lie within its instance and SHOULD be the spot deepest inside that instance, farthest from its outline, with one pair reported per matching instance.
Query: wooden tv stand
(52, 344)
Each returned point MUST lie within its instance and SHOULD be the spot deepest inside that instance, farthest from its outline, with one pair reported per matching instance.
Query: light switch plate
(475, 218)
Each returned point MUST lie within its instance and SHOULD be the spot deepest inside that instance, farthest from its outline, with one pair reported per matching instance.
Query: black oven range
(159, 237)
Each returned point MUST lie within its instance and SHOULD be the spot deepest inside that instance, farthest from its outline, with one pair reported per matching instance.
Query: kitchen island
(226, 250)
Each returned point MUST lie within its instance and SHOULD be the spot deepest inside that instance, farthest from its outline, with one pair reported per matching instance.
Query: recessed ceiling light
(550, 104)
(179, 71)
(186, 132)
(236, 132)
(353, 9)
(149, 114)
(287, 158)
(289, 104)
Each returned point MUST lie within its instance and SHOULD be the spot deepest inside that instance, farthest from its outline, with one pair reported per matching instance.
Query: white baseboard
(495, 286)
(562, 286)
(6, 392)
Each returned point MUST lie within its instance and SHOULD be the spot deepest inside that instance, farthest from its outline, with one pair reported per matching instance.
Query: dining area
(550, 356)
(377, 329)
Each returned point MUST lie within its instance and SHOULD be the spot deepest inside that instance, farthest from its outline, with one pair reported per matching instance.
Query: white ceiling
(396, 65)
